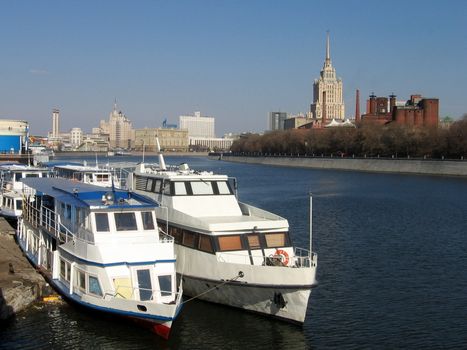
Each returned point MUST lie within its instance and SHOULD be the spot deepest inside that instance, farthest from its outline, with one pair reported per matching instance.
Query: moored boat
(93, 175)
(228, 252)
(101, 248)
(11, 188)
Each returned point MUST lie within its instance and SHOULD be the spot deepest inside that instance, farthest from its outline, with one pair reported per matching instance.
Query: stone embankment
(401, 166)
(20, 284)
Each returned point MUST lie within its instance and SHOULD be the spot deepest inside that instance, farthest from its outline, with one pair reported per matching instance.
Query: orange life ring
(284, 256)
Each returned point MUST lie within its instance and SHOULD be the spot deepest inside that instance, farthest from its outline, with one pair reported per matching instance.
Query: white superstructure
(228, 252)
(102, 249)
(11, 187)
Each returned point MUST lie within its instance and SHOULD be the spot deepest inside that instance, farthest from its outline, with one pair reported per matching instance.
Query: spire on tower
(328, 55)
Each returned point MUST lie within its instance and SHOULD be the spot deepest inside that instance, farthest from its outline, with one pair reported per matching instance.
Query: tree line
(368, 139)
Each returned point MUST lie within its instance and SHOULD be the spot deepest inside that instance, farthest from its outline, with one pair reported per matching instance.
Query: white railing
(134, 293)
(300, 259)
(49, 220)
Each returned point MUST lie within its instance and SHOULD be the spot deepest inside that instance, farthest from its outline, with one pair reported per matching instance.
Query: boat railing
(304, 258)
(165, 238)
(300, 259)
(142, 294)
(50, 221)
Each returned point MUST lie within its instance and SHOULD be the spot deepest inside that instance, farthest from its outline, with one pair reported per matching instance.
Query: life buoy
(284, 256)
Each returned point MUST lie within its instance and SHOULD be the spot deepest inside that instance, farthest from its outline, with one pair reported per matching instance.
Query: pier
(20, 284)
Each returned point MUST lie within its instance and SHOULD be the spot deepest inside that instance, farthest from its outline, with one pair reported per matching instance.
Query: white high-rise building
(76, 137)
(55, 123)
(328, 102)
(197, 125)
(119, 128)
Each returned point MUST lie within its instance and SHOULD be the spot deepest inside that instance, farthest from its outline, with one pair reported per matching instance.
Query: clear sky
(233, 60)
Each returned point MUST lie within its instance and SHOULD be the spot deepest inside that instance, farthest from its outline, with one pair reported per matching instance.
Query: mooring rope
(239, 275)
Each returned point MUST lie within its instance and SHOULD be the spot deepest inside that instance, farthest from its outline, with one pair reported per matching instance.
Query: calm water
(392, 271)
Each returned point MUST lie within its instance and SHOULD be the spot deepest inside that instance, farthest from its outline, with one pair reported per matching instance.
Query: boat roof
(86, 195)
(81, 168)
(20, 167)
(175, 173)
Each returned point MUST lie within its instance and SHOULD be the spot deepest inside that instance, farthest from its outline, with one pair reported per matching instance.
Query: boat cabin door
(144, 283)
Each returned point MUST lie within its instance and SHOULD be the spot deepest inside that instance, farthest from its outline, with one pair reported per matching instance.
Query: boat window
(205, 243)
(82, 280)
(253, 241)
(230, 243)
(180, 188)
(149, 185)
(125, 221)
(18, 176)
(189, 239)
(68, 212)
(62, 269)
(144, 283)
(32, 175)
(167, 188)
(102, 177)
(94, 286)
(157, 186)
(201, 187)
(148, 222)
(19, 204)
(102, 222)
(275, 240)
(177, 234)
(65, 270)
(224, 187)
(165, 284)
(44, 174)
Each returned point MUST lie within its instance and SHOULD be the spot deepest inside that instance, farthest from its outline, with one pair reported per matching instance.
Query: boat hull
(288, 303)
(159, 323)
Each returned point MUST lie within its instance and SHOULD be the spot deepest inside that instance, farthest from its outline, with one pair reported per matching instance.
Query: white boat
(11, 188)
(93, 175)
(228, 252)
(102, 249)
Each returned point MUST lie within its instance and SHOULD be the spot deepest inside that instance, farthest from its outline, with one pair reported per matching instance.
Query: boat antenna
(161, 156)
(311, 227)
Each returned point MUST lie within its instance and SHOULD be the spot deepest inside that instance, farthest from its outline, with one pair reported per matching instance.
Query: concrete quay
(20, 284)
(397, 166)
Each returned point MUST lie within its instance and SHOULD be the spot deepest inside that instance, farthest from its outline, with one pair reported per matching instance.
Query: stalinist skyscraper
(327, 103)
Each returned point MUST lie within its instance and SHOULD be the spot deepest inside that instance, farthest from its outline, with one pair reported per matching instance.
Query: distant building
(295, 122)
(14, 136)
(55, 123)
(169, 139)
(76, 137)
(210, 143)
(119, 129)
(197, 125)
(417, 111)
(277, 120)
(328, 102)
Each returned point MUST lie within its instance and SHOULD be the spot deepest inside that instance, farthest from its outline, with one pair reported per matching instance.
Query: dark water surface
(391, 270)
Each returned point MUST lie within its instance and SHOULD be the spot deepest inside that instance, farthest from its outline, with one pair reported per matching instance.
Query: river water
(391, 269)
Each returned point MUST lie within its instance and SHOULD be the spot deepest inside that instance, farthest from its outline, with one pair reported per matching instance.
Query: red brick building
(417, 111)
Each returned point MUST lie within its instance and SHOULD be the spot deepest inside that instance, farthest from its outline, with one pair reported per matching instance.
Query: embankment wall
(402, 166)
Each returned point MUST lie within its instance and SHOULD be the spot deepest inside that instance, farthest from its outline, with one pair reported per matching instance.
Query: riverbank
(20, 284)
(401, 166)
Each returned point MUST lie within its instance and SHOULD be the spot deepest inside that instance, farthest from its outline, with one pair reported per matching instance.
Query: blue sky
(234, 60)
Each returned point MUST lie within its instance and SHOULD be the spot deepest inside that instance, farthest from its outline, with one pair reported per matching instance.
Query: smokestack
(357, 107)
(392, 102)
(372, 103)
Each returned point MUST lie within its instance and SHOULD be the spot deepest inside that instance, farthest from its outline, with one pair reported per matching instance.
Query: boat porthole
(142, 308)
